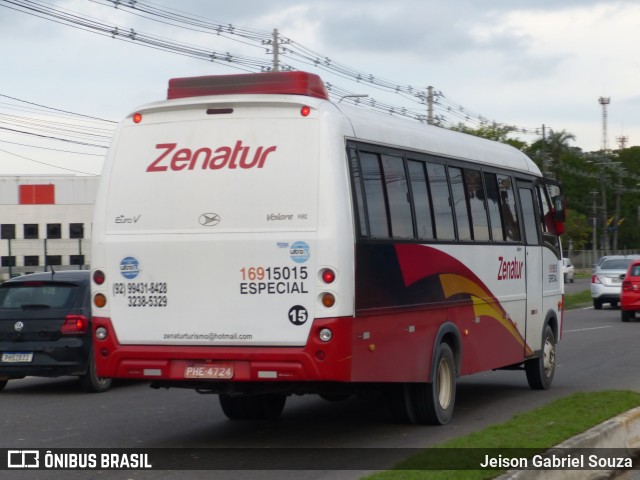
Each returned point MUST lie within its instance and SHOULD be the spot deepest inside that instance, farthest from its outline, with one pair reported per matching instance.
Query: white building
(45, 221)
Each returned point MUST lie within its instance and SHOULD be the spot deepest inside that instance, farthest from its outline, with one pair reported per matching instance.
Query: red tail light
(626, 286)
(328, 275)
(98, 277)
(595, 279)
(75, 324)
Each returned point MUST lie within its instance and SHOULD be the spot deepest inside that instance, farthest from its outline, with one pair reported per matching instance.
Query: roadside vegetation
(531, 432)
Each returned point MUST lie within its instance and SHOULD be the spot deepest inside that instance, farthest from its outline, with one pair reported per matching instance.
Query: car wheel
(613, 304)
(3, 383)
(91, 383)
(597, 304)
(540, 371)
(626, 315)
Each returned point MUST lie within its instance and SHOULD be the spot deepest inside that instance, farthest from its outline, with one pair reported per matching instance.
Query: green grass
(538, 429)
(576, 300)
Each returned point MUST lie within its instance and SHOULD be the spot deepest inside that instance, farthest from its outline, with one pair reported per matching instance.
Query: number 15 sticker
(298, 315)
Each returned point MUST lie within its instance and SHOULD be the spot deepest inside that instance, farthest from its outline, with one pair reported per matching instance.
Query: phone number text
(147, 301)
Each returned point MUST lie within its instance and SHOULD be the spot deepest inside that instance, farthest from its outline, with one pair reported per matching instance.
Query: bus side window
(508, 207)
(375, 195)
(441, 202)
(493, 204)
(476, 198)
(397, 189)
(460, 204)
(357, 186)
(529, 216)
(422, 202)
(547, 222)
(548, 225)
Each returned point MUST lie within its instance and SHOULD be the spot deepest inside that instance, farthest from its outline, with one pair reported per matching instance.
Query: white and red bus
(255, 240)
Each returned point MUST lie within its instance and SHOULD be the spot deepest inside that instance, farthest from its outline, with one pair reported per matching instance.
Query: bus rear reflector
(284, 83)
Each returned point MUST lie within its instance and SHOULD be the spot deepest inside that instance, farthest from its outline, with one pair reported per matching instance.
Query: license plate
(17, 357)
(209, 370)
(616, 281)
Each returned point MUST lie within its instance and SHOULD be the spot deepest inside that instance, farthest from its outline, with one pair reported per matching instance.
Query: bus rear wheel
(266, 406)
(428, 403)
(540, 370)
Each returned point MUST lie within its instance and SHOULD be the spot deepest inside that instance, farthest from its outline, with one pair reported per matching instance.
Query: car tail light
(595, 279)
(626, 286)
(74, 324)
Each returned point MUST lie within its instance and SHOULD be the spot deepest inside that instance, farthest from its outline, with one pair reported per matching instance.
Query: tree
(558, 144)
(493, 131)
(577, 230)
(552, 147)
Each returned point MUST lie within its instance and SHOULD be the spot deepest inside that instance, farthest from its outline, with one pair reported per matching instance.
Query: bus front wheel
(540, 370)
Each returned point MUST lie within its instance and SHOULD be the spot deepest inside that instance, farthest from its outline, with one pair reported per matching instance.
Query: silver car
(606, 281)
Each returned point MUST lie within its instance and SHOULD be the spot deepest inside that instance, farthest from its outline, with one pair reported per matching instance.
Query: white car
(568, 270)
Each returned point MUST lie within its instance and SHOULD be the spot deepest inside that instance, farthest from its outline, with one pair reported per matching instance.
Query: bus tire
(434, 401)
(428, 403)
(267, 406)
(540, 371)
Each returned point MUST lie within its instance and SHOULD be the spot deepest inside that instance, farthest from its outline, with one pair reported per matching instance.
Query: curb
(621, 432)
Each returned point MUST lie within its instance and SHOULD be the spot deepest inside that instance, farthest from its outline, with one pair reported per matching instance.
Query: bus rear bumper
(197, 365)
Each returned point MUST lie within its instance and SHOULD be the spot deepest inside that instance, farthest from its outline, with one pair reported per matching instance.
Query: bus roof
(377, 127)
(368, 125)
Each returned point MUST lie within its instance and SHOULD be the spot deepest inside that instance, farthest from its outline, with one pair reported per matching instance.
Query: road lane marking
(585, 329)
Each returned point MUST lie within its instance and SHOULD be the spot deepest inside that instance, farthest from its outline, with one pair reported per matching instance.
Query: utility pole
(605, 237)
(622, 141)
(594, 236)
(430, 105)
(604, 101)
(276, 51)
(616, 216)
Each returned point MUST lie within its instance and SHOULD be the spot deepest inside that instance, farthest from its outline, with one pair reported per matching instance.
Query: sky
(523, 63)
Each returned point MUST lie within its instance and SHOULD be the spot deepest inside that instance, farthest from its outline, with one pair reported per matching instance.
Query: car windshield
(616, 264)
(34, 295)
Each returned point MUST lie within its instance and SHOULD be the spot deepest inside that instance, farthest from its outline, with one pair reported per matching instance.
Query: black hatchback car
(45, 328)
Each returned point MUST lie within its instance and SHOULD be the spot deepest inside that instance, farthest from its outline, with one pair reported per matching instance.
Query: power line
(53, 149)
(298, 52)
(448, 114)
(56, 109)
(47, 164)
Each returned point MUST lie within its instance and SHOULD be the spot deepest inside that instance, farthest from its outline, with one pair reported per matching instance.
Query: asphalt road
(597, 352)
(577, 285)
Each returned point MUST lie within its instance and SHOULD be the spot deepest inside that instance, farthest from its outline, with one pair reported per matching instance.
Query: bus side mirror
(559, 209)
